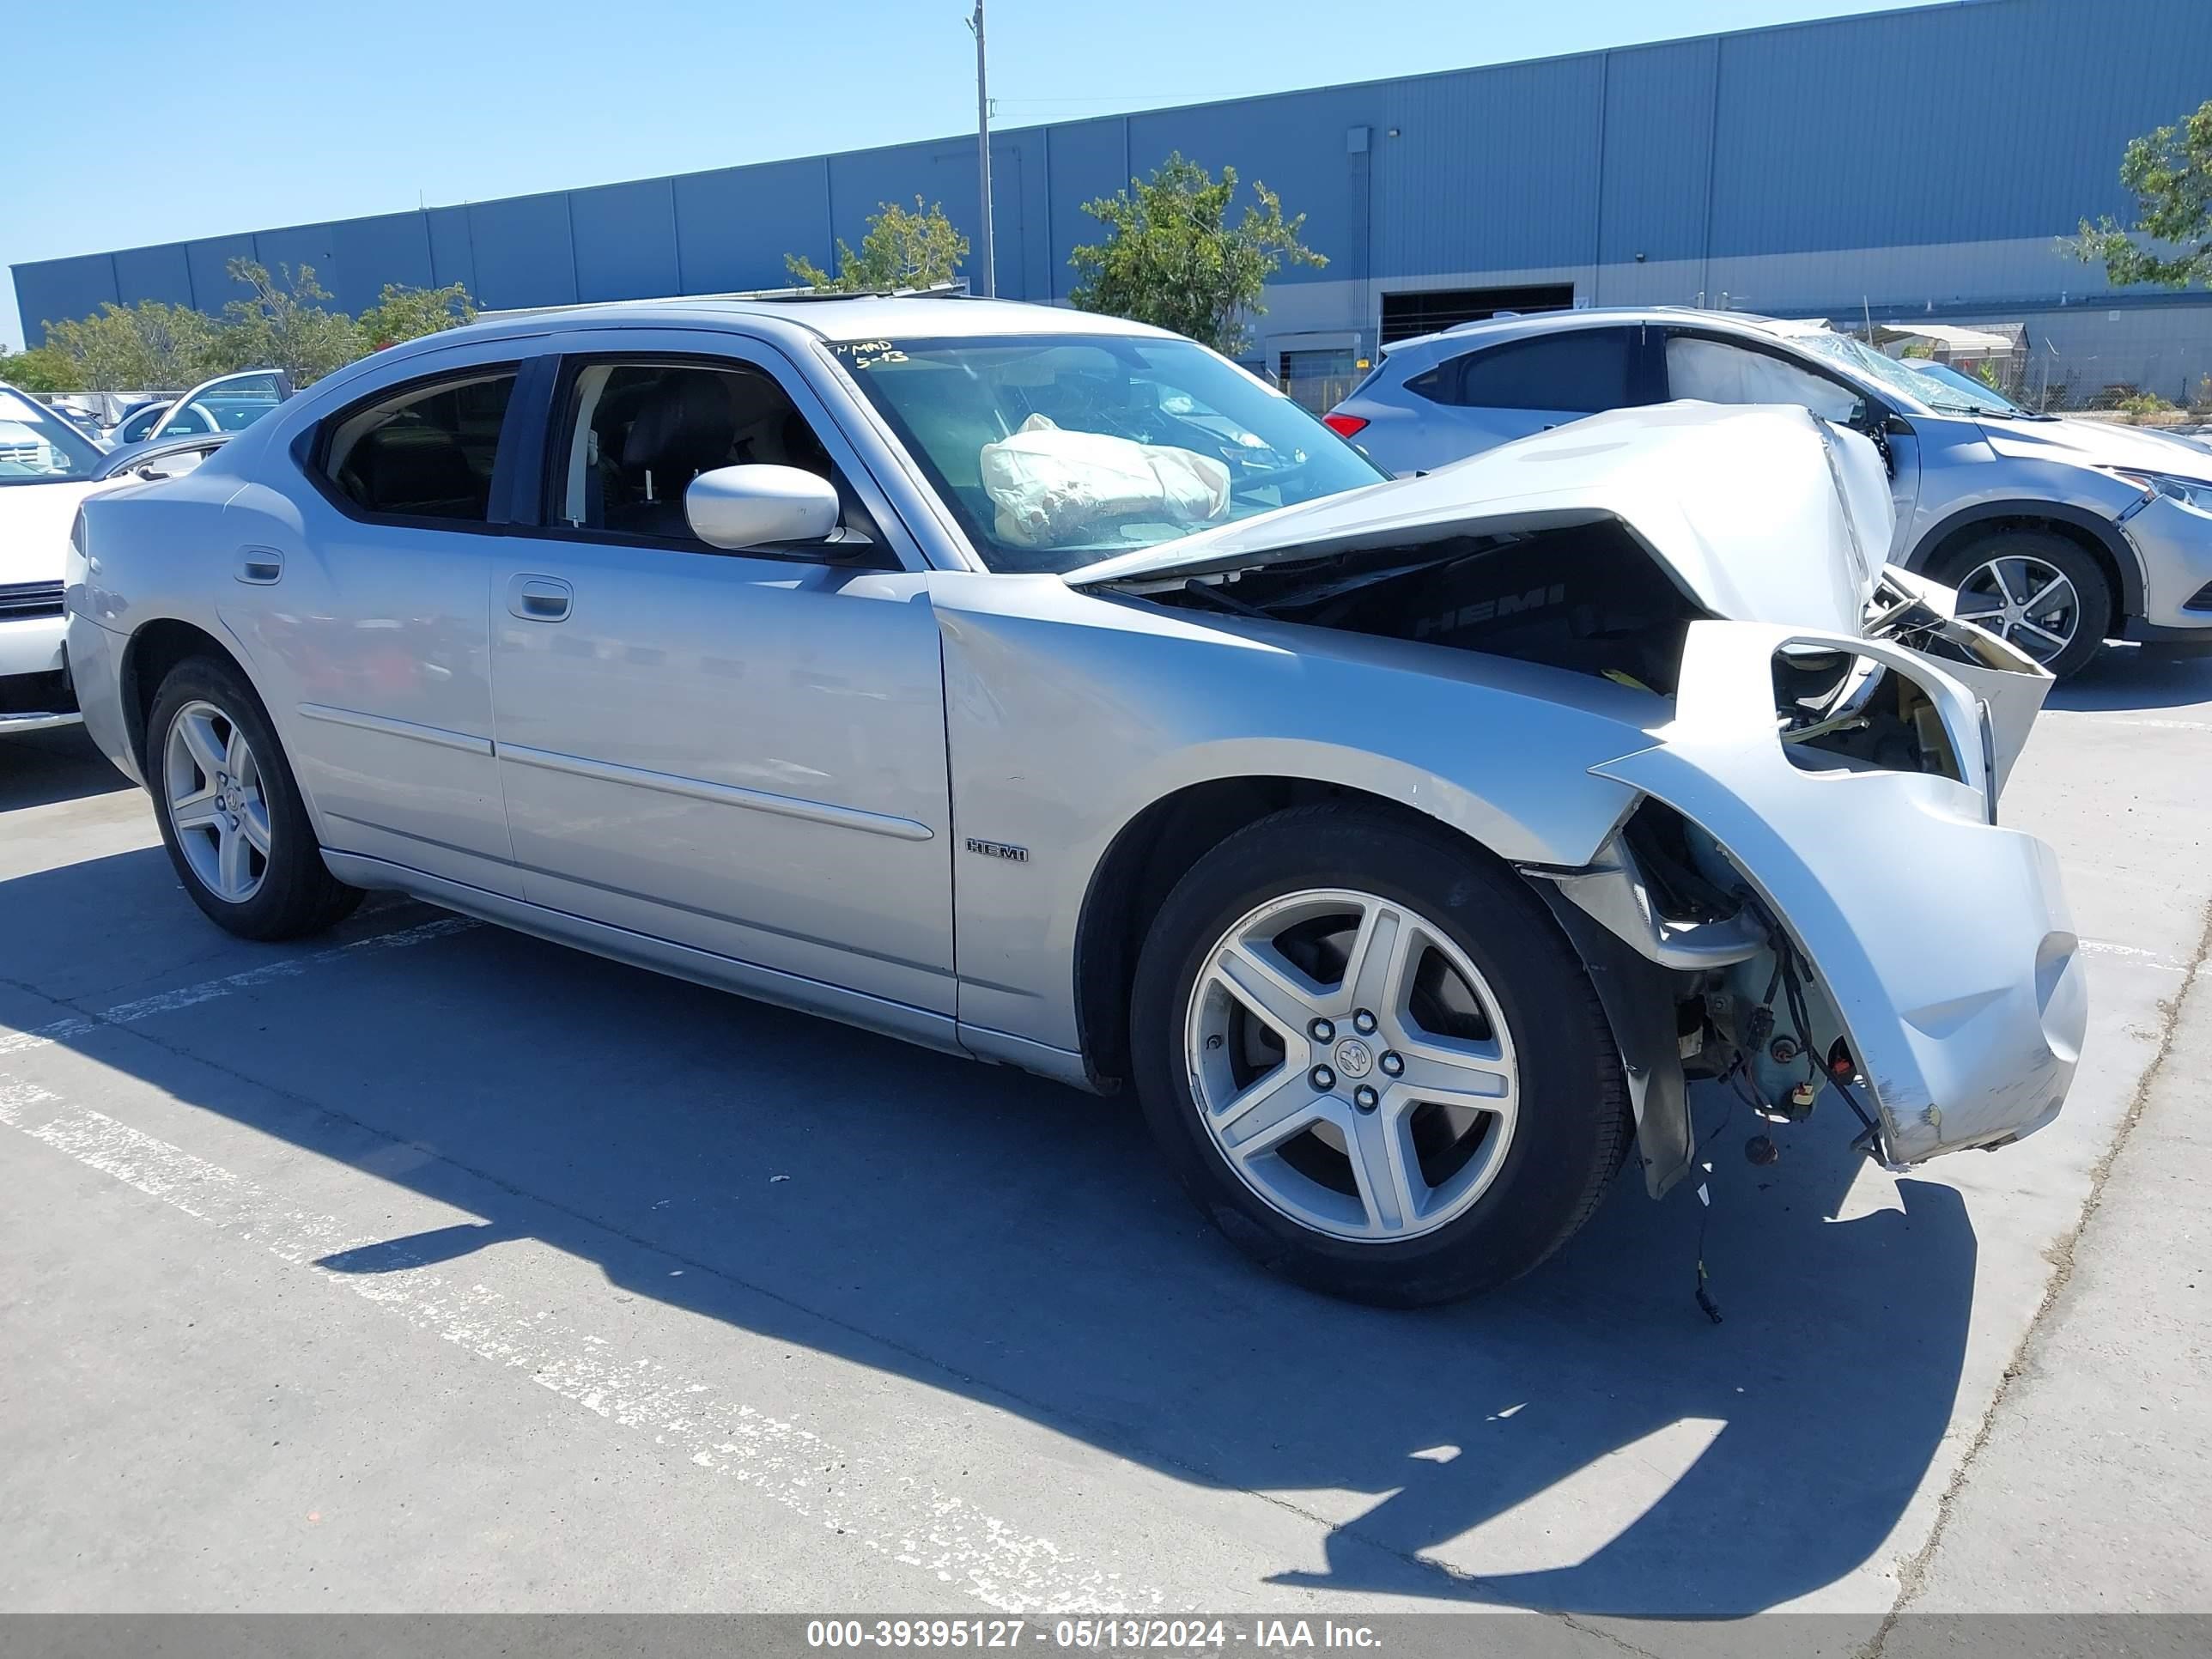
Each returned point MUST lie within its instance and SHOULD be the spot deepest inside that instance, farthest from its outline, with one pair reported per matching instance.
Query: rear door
(1482, 399)
(361, 591)
(743, 752)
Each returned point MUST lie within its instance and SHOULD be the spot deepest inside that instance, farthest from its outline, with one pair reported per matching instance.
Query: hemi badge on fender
(999, 849)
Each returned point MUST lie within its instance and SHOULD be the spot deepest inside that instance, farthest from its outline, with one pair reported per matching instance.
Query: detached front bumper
(1940, 944)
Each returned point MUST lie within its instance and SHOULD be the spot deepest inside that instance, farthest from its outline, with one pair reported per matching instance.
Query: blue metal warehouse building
(1908, 165)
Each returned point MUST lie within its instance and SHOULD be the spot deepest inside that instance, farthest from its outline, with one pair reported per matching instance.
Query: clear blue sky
(171, 120)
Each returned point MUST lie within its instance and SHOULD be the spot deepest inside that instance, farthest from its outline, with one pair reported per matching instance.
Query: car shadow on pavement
(38, 769)
(1586, 1441)
(2122, 678)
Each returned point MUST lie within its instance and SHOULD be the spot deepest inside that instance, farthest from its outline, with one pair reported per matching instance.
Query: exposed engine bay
(1589, 598)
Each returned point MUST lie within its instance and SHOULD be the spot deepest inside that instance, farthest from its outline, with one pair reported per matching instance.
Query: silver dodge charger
(1044, 688)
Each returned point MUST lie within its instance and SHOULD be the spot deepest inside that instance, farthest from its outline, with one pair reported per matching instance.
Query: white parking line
(865, 1499)
(2159, 959)
(165, 1002)
(2132, 719)
(870, 1502)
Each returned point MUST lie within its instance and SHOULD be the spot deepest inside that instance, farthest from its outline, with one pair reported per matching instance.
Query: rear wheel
(2035, 588)
(1373, 1060)
(230, 810)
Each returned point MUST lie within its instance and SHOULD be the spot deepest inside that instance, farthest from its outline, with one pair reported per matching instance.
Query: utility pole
(983, 150)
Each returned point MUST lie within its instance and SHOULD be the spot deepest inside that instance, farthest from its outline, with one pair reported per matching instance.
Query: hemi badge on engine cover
(999, 849)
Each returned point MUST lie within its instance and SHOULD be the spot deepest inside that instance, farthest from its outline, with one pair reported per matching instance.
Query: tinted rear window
(1580, 373)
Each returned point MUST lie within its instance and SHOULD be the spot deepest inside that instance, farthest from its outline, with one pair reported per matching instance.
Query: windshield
(1893, 375)
(1056, 450)
(1949, 383)
(39, 447)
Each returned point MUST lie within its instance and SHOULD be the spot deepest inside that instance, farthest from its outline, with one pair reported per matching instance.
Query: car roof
(836, 318)
(1490, 330)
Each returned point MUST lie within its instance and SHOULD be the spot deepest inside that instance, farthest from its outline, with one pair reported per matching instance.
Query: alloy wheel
(212, 783)
(2025, 601)
(1351, 1065)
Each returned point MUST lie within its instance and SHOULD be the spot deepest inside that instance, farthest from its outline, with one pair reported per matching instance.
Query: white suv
(46, 467)
(2058, 534)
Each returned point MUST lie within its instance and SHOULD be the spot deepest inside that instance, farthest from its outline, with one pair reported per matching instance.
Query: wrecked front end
(1810, 901)
(1815, 881)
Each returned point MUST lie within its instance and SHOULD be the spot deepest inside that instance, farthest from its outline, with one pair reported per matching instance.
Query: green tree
(407, 313)
(1172, 259)
(280, 326)
(901, 249)
(2169, 171)
(149, 346)
(41, 368)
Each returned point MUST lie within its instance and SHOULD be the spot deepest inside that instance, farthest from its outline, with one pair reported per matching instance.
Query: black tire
(297, 894)
(1573, 1124)
(2062, 554)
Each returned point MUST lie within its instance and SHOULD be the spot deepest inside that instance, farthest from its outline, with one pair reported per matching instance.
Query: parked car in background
(47, 468)
(1043, 688)
(2057, 534)
(229, 403)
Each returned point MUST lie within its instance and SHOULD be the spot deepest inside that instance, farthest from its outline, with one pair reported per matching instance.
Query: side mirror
(758, 505)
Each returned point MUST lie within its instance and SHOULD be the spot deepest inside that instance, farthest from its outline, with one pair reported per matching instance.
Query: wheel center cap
(1354, 1058)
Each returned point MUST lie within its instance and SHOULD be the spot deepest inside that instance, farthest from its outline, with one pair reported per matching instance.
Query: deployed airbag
(1052, 488)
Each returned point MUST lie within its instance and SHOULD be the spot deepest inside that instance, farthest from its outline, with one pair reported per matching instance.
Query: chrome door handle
(539, 598)
(259, 565)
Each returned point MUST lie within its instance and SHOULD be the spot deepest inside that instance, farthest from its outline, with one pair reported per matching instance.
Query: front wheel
(230, 810)
(1372, 1059)
(2035, 588)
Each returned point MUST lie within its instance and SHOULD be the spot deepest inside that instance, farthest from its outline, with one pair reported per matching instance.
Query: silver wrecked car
(1045, 689)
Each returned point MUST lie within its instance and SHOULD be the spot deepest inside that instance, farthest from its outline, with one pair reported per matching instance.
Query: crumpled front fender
(1942, 939)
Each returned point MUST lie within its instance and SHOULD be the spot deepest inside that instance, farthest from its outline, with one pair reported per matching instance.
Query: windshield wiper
(1979, 410)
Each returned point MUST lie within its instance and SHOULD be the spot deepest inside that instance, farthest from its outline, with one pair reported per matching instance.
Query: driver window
(1714, 372)
(636, 435)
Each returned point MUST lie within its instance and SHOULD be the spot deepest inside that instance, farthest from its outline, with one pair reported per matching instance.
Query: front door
(739, 752)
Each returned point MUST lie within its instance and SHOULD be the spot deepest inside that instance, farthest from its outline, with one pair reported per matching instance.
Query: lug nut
(1324, 1078)
(1363, 1021)
(1321, 1030)
(1365, 1098)
(1392, 1065)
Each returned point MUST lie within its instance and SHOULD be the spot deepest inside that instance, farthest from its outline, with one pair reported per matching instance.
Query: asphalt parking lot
(428, 1267)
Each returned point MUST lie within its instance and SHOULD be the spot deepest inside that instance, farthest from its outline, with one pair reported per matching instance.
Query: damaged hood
(2097, 443)
(1762, 514)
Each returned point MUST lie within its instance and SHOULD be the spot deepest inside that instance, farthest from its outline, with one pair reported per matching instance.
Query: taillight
(1345, 426)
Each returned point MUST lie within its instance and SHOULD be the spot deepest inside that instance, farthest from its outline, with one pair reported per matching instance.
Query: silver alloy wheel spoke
(1375, 972)
(1382, 1156)
(1268, 986)
(1267, 1114)
(1295, 1077)
(198, 812)
(1477, 1076)
(197, 724)
(212, 783)
(2043, 623)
